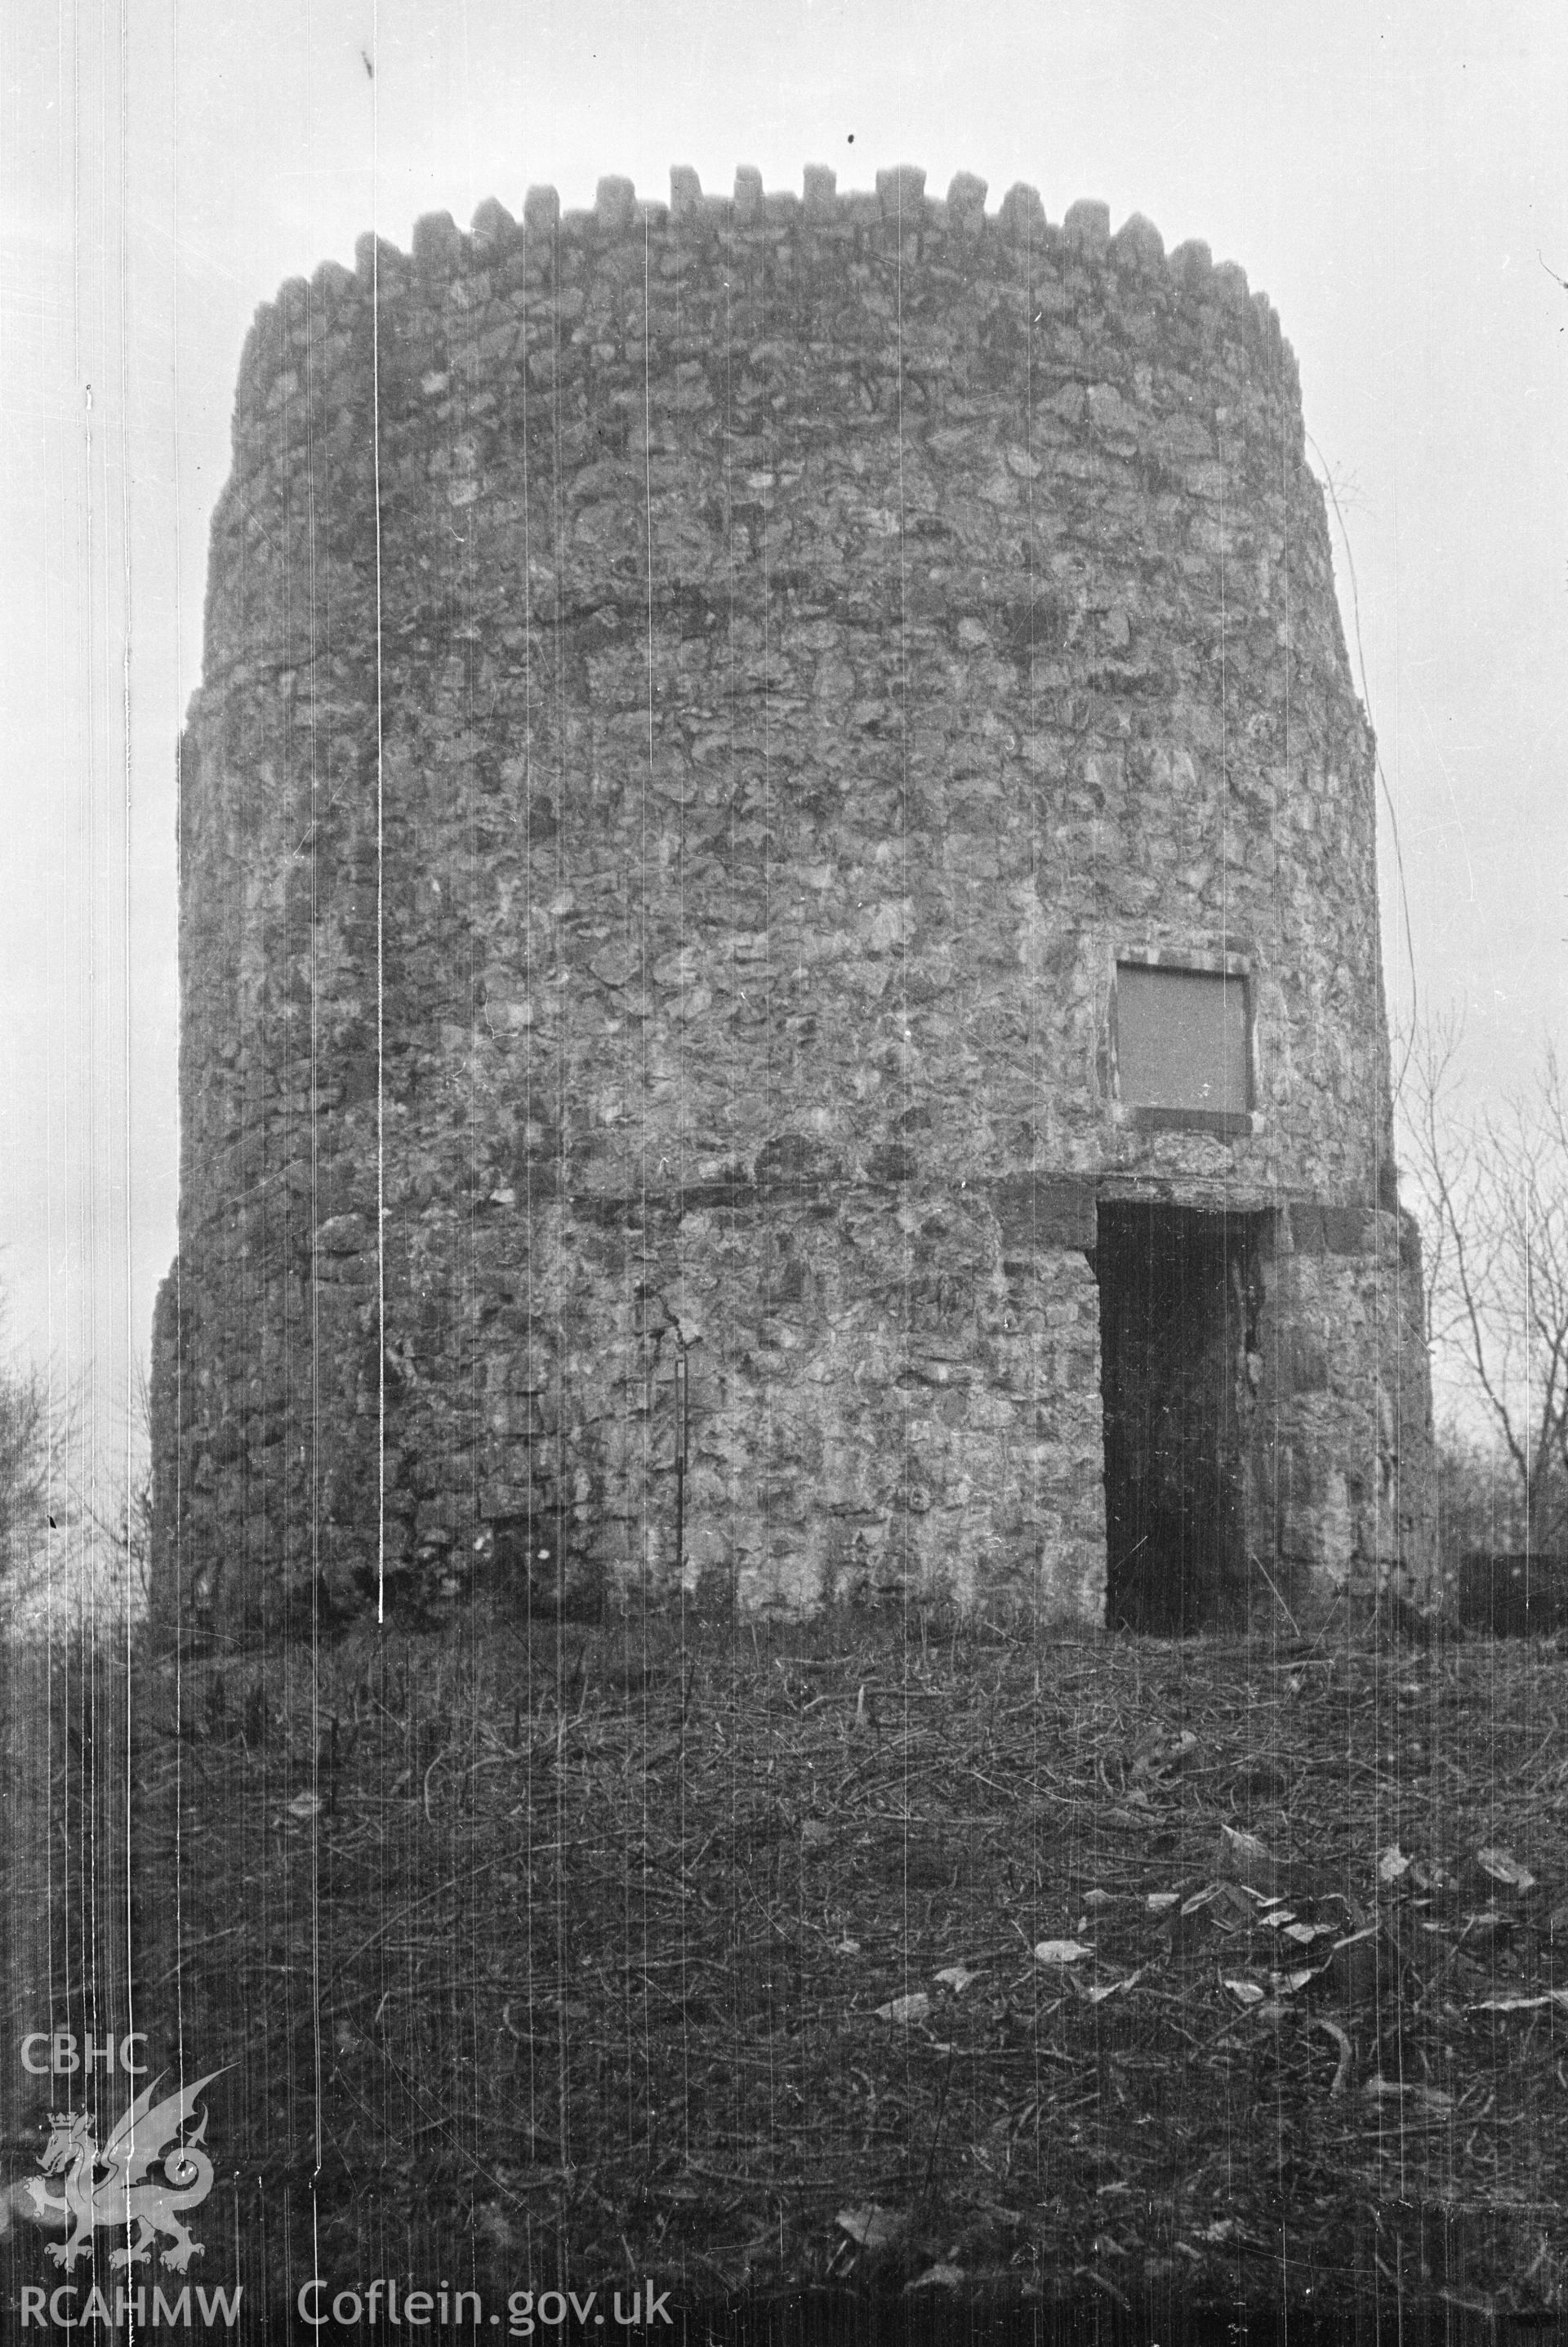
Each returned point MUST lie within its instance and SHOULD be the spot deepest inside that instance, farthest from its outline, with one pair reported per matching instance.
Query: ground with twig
(986, 1971)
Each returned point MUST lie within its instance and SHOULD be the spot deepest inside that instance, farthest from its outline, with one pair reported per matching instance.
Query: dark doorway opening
(1177, 1291)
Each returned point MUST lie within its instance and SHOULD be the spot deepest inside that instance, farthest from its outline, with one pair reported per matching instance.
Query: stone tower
(781, 991)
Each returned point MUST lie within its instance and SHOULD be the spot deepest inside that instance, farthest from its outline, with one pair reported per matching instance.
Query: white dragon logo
(124, 2195)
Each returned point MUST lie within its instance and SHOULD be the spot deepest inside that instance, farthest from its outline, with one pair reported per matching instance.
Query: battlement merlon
(1017, 245)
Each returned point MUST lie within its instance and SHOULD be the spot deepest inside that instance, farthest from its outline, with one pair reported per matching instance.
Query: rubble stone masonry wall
(696, 699)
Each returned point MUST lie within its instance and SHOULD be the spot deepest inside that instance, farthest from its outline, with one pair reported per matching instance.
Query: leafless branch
(1492, 1191)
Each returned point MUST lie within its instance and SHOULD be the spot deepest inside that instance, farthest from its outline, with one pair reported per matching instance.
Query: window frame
(1229, 1124)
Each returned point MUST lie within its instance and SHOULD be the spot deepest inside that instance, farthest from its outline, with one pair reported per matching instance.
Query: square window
(1182, 1046)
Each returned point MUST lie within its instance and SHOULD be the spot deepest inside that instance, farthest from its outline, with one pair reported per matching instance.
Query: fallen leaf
(1199, 1899)
(1274, 1919)
(1391, 1863)
(1346, 2053)
(1245, 1992)
(1288, 1984)
(936, 2277)
(1093, 1900)
(1504, 1867)
(1160, 1751)
(1115, 1988)
(870, 2224)
(847, 1947)
(1247, 1861)
(1060, 1952)
(913, 2007)
(1158, 1900)
(956, 1976)
(1230, 1908)
(1305, 1933)
(1385, 2090)
(305, 1805)
(1520, 2003)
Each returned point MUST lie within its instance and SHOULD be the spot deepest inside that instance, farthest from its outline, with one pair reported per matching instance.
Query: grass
(552, 1956)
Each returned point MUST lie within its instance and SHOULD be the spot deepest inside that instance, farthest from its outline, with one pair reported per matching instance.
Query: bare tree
(1493, 1198)
(29, 1461)
(112, 1515)
(135, 1529)
(27, 1443)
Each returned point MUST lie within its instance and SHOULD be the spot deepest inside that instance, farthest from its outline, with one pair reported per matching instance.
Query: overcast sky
(1392, 178)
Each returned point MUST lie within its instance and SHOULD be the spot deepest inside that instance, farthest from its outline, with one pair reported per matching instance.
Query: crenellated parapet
(812, 244)
(757, 330)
